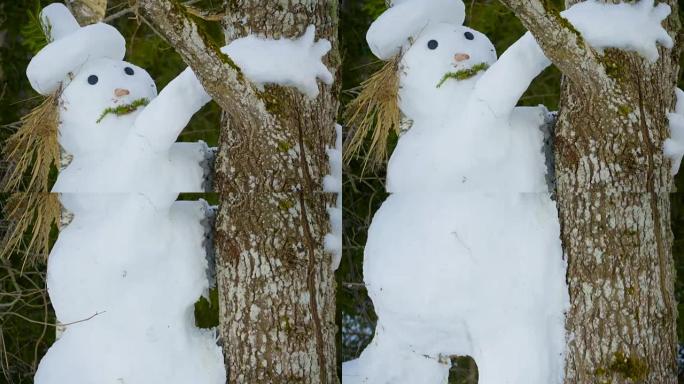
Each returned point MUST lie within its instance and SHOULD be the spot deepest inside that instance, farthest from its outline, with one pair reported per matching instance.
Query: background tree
(276, 283)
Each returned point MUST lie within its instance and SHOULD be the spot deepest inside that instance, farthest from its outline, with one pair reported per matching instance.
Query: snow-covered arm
(501, 86)
(160, 123)
(294, 63)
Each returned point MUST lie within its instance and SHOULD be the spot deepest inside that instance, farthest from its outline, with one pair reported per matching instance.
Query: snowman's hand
(312, 53)
(673, 147)
(296, 63)
(632, 27)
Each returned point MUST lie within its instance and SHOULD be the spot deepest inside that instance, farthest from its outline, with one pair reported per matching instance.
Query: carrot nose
(461, 57)
(121, 92)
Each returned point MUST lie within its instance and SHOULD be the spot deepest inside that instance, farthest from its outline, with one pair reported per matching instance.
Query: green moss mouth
(124, 109)
(463, 74)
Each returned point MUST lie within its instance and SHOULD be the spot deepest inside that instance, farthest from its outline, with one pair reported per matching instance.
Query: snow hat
(70, 47)
(405, 19)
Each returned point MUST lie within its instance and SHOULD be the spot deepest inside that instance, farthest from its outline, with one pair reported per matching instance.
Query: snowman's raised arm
(160, 123)
(500, 87)
(286, 62)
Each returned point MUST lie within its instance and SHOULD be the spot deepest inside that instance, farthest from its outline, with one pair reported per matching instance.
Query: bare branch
(134, 9)
(206, 15)
(560, 41)
(219, 75)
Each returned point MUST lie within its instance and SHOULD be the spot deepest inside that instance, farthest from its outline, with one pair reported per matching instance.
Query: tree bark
(87, 11)
(613, 186)
(276, 284)
(613, 198)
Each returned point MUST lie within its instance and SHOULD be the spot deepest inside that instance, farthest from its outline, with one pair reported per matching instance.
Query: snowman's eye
(129, 71)
(92, 79)
(469, 35)
(433, 44)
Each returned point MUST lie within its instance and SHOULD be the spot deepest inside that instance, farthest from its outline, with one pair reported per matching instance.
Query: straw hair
(30, 218)
(33, 149)
(375, 112)
(30, 211)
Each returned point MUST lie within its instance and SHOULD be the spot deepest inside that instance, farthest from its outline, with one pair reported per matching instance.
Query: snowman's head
(99, 93)
(439, 69)
(99, 105)
(439, 57)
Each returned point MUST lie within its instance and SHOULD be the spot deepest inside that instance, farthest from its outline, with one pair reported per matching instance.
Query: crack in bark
(311, 269)
(655, 212)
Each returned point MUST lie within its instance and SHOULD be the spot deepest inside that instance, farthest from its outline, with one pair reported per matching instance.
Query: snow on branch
(219, 75)
(561, 42)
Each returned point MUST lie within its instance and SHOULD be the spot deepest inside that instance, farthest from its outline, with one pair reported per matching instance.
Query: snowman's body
(464, 257)
(465, 274)
(138, 305)
(515, 162)
(174, 261)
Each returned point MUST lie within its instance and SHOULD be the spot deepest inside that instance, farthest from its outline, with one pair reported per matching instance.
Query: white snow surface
(673, 147)
(464, 257)
(296, 63)
(333, 183)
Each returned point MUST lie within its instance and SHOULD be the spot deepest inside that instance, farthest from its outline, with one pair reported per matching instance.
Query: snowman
(464, 256)
(124, 274)
(121, 134)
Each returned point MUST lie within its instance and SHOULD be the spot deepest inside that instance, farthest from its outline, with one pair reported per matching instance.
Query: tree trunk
(276, 284)
(613, 186)
(87, 11)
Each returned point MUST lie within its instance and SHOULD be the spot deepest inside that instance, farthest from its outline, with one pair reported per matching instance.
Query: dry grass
(375, 112)
(30, 218)
(30, 212)
(32, 150)
(24, 322)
